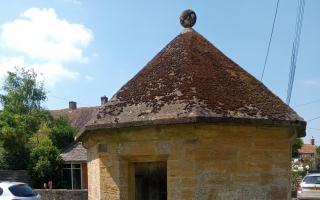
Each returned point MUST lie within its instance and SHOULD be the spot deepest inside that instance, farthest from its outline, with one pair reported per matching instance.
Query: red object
(299, 187)
(84, 176)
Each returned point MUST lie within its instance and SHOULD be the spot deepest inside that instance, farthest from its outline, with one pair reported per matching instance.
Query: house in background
(74, 156)
(74, 171)
(308, 150)
(308, 155)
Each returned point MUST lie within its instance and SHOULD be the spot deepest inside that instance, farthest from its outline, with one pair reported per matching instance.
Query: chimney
(312, 141)
(104, 100)
(72, 105)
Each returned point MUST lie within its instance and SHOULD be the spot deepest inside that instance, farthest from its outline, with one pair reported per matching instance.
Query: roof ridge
(78, 108)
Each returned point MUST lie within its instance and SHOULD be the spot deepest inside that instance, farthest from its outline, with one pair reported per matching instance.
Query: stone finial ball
(188, 18)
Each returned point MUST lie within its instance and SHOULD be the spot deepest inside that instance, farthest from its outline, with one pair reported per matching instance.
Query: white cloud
(88, 78)
(50, 73)
(53, 73)
(311, 83)
(8, 64)
(46, 41)
(40, 34)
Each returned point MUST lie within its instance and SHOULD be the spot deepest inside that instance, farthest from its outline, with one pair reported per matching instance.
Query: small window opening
(71, 176)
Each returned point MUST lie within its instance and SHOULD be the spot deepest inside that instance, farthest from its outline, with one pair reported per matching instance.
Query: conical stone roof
(191, 81)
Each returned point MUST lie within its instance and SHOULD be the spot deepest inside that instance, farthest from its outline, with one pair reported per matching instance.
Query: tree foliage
(3, 164)
(41, 136)
(62, 134)
(29, 136)
(318, 150)
(296, 146)
(21, 115)
(45, 162)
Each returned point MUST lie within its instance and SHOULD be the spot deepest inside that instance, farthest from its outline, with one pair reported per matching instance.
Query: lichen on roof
(190, 80)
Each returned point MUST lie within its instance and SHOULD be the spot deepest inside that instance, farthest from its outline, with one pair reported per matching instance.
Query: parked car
(309, 187)
(17, 191)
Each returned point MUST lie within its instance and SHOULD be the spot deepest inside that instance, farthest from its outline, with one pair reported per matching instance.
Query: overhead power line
(270, 39)
(307, 103)
(295, 47)
(317, 129)
(313, 119)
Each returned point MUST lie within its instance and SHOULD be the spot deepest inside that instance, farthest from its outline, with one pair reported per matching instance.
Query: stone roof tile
(78, 117)
(190, 80)
(75, 152)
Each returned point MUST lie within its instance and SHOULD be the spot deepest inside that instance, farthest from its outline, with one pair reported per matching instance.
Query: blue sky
(85, 49)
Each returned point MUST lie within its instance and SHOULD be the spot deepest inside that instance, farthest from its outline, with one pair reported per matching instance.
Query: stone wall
(14, 175)
(62, 194)
(204, 162)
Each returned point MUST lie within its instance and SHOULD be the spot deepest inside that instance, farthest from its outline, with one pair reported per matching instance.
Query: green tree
(62, 134)
(318, 150)
(30, 138)
(296, 146)
(45, 163)
(41, 136)
(23, 94)
(21, 116)
(3, 164)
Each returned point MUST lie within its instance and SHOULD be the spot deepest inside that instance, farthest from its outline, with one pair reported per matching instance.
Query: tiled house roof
(77, 118)
(75, 153)
(307, 149)
(191, 81)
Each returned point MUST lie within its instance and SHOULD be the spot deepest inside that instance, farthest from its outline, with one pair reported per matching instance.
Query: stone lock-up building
(192, 124)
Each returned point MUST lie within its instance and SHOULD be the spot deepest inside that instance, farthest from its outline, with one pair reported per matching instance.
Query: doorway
(150, 180)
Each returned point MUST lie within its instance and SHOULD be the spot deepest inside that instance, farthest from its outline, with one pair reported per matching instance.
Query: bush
(45, 163)
(298, 170)
(3, 163)
(298, 142)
